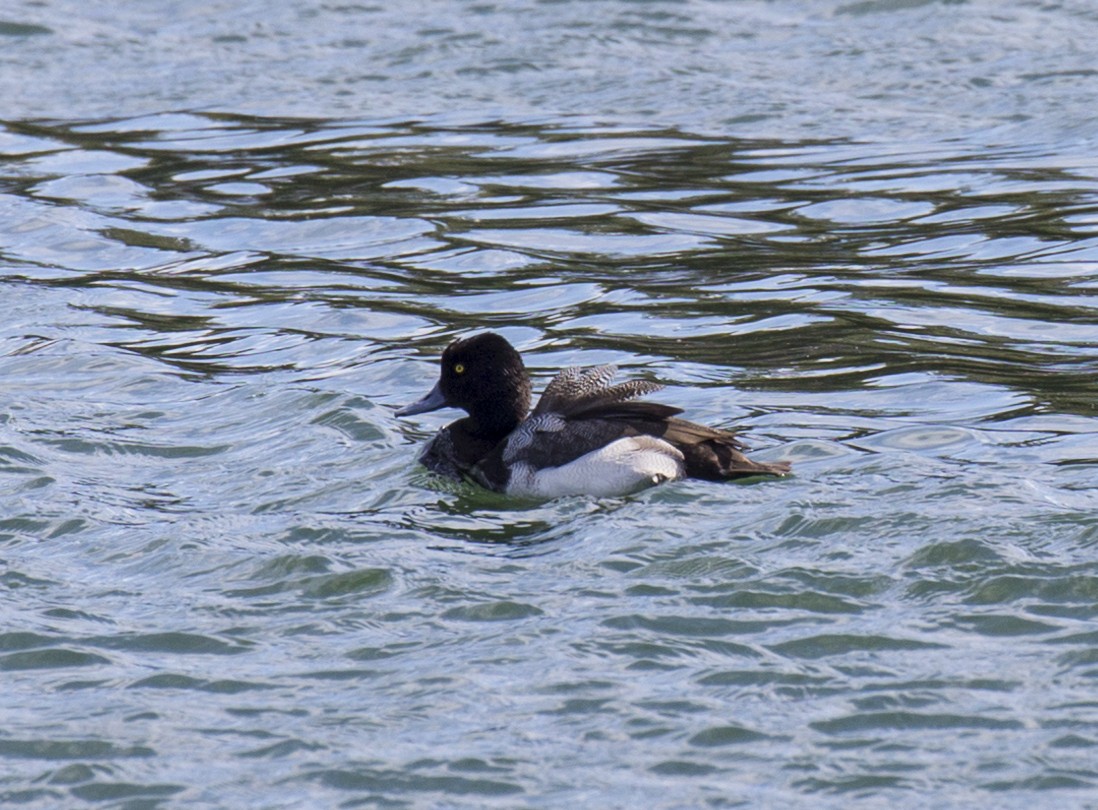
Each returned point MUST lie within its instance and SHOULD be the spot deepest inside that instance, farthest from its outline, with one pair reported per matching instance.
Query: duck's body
(585, 436)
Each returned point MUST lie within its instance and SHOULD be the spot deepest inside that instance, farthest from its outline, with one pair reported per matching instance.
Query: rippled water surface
(226, 583)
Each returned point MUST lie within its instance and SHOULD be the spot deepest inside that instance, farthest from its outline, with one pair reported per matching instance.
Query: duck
(587, 435)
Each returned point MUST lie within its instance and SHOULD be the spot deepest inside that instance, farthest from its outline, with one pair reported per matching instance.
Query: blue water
(234, 239)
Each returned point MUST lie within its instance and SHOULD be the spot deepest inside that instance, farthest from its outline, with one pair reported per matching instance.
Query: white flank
(619, 468)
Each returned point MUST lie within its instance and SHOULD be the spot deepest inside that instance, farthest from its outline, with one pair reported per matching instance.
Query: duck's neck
(504, 414)
(495, 426)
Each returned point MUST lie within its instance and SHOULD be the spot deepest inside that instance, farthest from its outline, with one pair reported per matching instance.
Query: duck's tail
(717, 455)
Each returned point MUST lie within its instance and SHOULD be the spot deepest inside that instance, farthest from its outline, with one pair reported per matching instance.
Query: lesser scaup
(586, 435)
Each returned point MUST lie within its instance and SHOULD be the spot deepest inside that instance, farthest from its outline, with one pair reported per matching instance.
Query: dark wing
(581, 411)
(548, 441)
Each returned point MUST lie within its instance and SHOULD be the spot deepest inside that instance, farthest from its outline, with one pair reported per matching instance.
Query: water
(227, 584)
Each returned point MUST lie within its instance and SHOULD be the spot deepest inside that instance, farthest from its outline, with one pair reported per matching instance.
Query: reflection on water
(206, 497)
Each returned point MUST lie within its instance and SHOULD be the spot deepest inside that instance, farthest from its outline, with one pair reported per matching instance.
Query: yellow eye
(459, 368)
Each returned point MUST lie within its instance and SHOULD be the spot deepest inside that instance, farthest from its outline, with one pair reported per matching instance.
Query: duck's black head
(485, 377)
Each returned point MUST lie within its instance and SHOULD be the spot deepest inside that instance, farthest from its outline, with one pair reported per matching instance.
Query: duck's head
(484, 376)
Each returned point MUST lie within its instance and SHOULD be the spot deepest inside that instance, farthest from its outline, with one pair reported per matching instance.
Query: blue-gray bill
(434, 400)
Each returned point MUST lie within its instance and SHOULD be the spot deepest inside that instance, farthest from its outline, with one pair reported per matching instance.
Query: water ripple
(206, 496)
